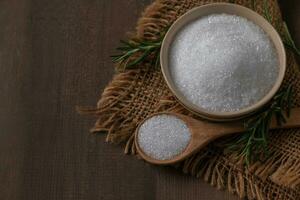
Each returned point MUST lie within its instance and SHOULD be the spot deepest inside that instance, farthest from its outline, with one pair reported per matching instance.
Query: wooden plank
(54, 55)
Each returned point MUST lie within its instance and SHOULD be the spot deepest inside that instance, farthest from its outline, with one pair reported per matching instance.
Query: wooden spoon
(204, 132)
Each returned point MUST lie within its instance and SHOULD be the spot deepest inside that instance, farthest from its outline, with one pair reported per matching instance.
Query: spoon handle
(205, 132)
(214, 130)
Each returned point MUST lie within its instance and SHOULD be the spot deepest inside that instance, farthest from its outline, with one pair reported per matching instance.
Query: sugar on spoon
(166, 138)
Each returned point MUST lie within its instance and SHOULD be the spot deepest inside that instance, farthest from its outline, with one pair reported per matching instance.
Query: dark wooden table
(54, 55)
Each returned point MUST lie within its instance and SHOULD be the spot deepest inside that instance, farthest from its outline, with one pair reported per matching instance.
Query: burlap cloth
(134, 94)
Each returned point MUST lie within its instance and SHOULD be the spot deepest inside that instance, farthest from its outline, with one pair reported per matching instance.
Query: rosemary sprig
(134, 52)
(253, 143)
(266, 11)
(253, 2)
(288, 40)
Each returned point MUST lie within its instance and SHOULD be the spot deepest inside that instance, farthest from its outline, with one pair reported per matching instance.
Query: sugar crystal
(163, 136)
(223, 63)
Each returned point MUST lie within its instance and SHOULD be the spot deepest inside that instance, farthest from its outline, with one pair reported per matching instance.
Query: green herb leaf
(288, 40)
(253, 2)
(253, 143)
(266, 11)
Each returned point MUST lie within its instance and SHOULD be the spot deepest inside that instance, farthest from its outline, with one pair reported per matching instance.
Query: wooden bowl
(220, 8)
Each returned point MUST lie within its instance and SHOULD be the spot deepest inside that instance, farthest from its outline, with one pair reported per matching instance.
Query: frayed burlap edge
(277, 178)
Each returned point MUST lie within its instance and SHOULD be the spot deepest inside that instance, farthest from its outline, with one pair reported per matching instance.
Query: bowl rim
(239, 11)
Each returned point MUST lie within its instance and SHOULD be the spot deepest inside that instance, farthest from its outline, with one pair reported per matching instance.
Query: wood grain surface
(54, 55)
